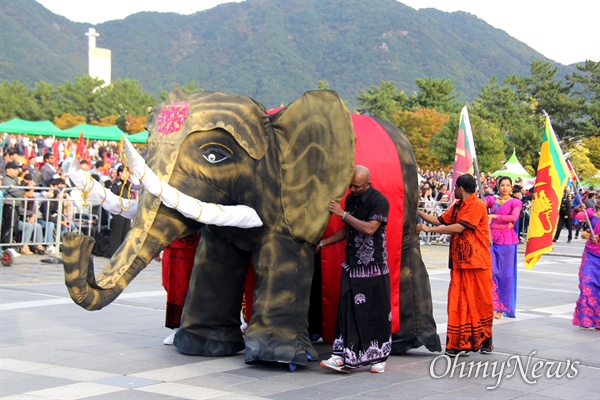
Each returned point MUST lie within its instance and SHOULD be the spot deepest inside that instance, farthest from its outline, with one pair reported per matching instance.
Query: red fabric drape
(376, 151)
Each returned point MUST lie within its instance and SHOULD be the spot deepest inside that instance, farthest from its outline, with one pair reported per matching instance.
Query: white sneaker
(169, 339)
(51, 249)
(378, 367)
(335, 363)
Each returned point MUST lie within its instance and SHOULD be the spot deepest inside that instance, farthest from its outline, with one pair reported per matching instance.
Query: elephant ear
(316, 143)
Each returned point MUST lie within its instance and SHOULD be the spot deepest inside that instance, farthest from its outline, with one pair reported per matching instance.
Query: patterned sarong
(470, 309)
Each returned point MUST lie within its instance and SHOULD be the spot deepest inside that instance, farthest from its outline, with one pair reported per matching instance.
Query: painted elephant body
(225, 149)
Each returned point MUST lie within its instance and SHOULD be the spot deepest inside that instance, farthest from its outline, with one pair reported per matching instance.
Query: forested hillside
(271, 50)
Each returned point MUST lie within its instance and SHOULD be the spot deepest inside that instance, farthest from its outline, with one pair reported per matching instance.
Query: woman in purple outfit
(587, 309)
(504, 217)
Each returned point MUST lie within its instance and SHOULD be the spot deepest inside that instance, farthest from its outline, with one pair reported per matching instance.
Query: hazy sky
(566, 31)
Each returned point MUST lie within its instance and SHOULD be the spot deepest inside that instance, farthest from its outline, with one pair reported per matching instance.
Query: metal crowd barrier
(428, 238)
(86, 219)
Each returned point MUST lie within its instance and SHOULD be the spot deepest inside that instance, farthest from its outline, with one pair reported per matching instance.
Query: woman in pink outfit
(504, 216)
(587, 308)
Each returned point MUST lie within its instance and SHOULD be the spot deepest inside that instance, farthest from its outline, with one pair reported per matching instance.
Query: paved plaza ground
(52, 349)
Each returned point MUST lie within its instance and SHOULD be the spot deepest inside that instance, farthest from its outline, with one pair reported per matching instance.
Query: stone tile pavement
(52, 349)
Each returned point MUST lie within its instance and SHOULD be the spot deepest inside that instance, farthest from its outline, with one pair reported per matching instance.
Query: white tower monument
(99, 59)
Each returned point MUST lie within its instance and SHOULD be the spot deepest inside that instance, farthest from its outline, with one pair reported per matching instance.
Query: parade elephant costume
(217, 159)
(258, 186)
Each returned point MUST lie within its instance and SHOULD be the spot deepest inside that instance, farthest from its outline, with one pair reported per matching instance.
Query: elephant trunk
(144, 241)
(79, 273)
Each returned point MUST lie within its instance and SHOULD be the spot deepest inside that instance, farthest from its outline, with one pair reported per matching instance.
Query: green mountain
(271, 50)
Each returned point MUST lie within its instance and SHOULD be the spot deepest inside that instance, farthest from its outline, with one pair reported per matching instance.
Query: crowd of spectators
(35, 166)
(436, 196)
(41, 158)
(580, 201)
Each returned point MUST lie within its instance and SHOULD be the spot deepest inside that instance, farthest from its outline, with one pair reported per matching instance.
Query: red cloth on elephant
(177, 265)
(376, 151)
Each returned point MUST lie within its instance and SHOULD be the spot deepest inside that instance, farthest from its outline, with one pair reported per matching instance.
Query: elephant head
(258, 184)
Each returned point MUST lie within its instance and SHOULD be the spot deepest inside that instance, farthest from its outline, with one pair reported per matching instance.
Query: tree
(593, 146)
(586, 90)
(68, 120)
(190, 87)
(17, 101)
(135, 124)
(548, 94)
(516, 119)
(382, 102)
(526, 142)
(322, 85)
(586, 171)
(79, 97)
(436, 94)
(385, 101)
(109, 120)
(420, 126)
(124, 97)
(45, 96)
(486, 135)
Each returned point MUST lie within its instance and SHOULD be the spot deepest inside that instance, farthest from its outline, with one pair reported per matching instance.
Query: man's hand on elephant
(335, 208)
(319, 246)
(422, 228)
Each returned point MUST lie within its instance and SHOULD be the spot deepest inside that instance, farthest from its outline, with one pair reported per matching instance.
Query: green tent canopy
(94, 132)
(141, 137)
(17, 125)
(513, 169)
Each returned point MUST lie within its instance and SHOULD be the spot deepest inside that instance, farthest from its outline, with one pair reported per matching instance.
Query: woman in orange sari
(470, 307)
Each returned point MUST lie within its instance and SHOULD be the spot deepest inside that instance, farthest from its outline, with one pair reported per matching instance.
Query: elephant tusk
(240, 216)
(97, 193)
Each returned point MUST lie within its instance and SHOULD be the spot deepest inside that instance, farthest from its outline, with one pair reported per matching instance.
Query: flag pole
(469, 137)
(587, 217)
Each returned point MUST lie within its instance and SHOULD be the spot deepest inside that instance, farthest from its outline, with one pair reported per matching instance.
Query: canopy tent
(17, 125)
(95, 132)
(513, 169)
(140, 137)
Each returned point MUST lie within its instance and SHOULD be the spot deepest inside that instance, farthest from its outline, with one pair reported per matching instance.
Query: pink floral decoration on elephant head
(172, 117)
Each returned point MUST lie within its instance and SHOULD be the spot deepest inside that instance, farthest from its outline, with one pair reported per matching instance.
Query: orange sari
(470, 307)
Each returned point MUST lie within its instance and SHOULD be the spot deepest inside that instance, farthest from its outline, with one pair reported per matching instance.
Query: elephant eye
(215, 152)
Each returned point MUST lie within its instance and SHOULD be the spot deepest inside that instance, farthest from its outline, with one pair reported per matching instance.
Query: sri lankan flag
(465, 148)
(550, 181)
